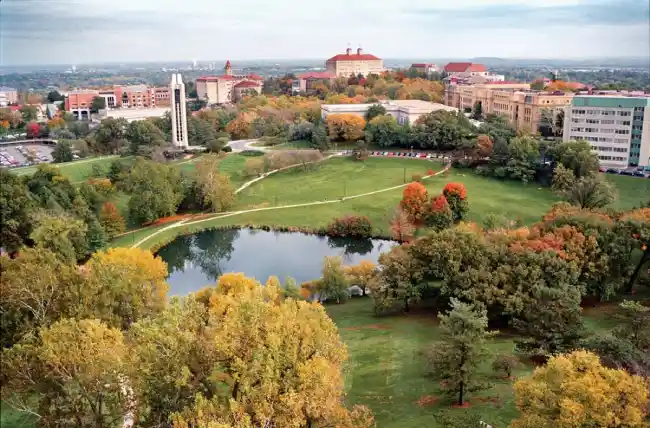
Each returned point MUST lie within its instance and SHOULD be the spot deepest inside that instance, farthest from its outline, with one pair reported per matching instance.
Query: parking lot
(24, 155)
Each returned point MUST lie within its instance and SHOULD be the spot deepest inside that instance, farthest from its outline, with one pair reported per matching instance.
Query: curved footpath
(187, 222)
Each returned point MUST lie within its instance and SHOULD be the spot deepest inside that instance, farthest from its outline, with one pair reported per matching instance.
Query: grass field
(386, 369)
(76, 171)
(631, 190)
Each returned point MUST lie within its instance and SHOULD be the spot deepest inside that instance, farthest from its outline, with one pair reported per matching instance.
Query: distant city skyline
(34, 32)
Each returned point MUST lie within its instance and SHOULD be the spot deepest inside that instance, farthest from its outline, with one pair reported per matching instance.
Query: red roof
(228, 63)
(255, 76)
(353, 57)
(457, 67)
(246, 84)
(14, 108)
(477, 68)
(421, 65)
(316, 75)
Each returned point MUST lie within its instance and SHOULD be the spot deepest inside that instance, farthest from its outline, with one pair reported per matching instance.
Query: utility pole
(344, 188)
(404, 174)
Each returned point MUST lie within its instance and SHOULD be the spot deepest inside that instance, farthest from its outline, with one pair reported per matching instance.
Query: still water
(195, 261)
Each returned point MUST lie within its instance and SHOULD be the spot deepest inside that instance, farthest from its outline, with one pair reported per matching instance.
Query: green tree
(633, 320)
(28, 113)
(16, 206)
(334, 285)
(62, 152)
(523, 153)
(477, 112)
(383, 130)
(54, 96)
(96, 237)
(462, 347)
(110, 136)
(591, 192)
(576, 156)
(442, 130)
(319, 138)
(374, 111)
(218, 193)
(144, 133)
(70, 374)
(98, 103)
(61, 234)
(563, 179)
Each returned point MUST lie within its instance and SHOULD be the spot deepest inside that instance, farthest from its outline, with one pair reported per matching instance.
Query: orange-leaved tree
(361, 274)
(439, 215)
(111, 220)
(456, 195)
(414, 201)
(401, 227)
(345, 127)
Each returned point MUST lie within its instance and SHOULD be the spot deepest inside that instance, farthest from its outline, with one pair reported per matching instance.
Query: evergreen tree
(319, 138)
(455, 358)
(96, 236)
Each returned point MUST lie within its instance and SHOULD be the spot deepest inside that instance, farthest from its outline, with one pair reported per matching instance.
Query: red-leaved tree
(439, 215)
(33, 130)
(414, 201)
(456, 195)
(111, 220)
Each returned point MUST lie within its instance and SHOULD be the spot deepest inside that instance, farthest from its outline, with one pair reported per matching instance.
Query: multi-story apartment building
(515, 101)
(227, 88)
(348, 64)
(306, 81)
(79, 102)
(8, 96)
(616, 126)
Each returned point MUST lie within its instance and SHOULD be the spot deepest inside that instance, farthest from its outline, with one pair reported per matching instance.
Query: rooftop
(7, 89)
(247, 84)
(136, 88)
(349, 56)
(316, 75)
(413, 106)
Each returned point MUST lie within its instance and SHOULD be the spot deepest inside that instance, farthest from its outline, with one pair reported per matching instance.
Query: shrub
(222, 135)
(430, 172)
(456, 195)
(439, 215)
(350, 225)
(414, 200)
(252, 153)
(228, 149)
(505, 364)
(416, 178)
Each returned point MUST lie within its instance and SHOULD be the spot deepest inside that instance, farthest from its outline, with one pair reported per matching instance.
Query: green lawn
(386, 368)
(631, 190)
(76, 171)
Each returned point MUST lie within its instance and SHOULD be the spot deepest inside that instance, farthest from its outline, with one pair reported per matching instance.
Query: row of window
(614, 158)
(602, 130)
(611, 149)
(601, 112)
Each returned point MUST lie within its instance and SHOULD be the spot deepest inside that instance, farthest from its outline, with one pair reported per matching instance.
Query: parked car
(612, 171)
(639, 174)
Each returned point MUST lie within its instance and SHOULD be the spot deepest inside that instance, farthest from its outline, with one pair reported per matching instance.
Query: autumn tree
(70, 374)
(439, 215)
(334, 284)
(361, 275)
(401, 227)
(240, 354)
(575, 390)
(414, 201)
(456, 196)
(563, 180)
(33, 129)
(218, 192)
(462, 347)
(127, 284)
(111, 220)
(398, 284)
(241, 126)
(345, 127)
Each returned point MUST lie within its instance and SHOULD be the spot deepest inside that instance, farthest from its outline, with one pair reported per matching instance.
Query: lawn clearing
(76, 171)
(632, 191)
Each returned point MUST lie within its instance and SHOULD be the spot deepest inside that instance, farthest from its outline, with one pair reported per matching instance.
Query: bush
(505, 364)
(416, 178)
(222, 135)
(252, 153)
(358, 226)
(228, 149)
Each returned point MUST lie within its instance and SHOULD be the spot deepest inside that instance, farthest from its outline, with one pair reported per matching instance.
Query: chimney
(348, 51)
(359, 51)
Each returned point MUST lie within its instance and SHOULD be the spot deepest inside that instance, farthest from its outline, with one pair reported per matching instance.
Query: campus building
(616, 126)
(515, 101)
(425, 68)
(305, 82)
(79, 102)
(349, 64)
(404, 111)
(467, 72)
(227, 88)
(8, 96)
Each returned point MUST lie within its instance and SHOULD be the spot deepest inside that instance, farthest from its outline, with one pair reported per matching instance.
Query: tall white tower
(179, 112)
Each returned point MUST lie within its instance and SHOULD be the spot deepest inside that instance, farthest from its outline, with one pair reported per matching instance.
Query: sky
(36, 32)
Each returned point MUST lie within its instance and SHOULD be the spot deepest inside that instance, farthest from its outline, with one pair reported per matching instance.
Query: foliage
(633, 320)
(439, 215)
(218, 193)
(345, 127)
(111, 220)
(576, 156)
(241, 126)
(110, 136)
(456, 196)
(414, 201)
(16, 205)
(62, 152)
(576, 390)
(442, 130)
(334, 284)
(563, 179)
(70, 374)
(591, 192)
(360, 152)
(455, 358)
(506, 364)
(374, 111)
(98, 103)
(384, 131)
(143, 133)
(254, 167)
(398, 284)
(319, 138)
(62, 234)
(401, 227)
(361, 275)
(618, 353)
(350, 225)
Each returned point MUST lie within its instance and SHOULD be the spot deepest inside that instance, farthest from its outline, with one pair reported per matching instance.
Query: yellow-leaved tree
(361, 274)
(575, 390)
(216, 189)
(345, 127)
(241, 355)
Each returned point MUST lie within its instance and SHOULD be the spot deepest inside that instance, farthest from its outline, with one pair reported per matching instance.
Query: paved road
(241, 145)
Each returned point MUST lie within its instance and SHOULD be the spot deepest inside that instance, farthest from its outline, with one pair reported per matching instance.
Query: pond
(197, 260)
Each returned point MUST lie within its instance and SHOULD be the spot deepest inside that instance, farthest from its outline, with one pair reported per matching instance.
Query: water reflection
(197, 260)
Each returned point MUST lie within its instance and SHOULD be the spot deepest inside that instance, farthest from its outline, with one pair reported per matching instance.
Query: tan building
(348, 64)
(8, 96)
(404, 111)
(515, 101)
(227, 88)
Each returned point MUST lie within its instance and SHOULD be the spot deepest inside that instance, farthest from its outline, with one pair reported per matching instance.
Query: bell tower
(228, 69)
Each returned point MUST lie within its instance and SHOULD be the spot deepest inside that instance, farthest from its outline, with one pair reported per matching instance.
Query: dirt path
(307, 204)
